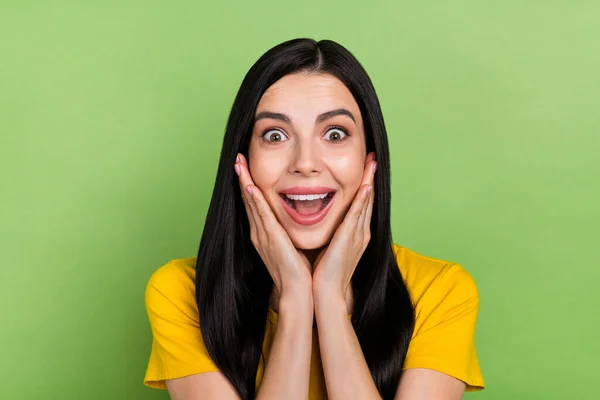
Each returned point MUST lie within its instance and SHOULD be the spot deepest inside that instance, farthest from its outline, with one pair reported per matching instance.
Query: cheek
(264, 173)
(348, 172)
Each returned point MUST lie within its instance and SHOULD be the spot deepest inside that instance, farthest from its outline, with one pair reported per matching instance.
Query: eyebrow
(323, 117)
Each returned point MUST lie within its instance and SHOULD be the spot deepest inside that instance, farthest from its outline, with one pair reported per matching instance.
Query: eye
(274, 136)
(338, 134)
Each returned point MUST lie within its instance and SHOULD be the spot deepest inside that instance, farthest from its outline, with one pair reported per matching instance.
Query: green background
(112, 116)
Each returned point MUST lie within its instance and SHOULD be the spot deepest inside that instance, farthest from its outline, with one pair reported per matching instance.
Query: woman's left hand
(335, 265)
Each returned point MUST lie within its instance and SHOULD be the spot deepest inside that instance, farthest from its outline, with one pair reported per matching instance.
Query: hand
(336, 263)
(289, 268)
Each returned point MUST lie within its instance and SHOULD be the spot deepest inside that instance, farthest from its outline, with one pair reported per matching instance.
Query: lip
(307, 190)
(307, 219)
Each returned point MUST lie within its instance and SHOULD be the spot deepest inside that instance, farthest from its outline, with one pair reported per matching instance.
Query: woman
(298, 287)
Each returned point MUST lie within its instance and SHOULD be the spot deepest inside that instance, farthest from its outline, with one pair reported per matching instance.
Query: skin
(303, 152)
(317, 261)
(308, 154)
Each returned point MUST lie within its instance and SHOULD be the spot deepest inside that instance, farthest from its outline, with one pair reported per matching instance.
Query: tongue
(307, 207)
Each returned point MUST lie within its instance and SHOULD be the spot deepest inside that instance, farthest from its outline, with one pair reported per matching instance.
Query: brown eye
(274, 136)
(337, 134)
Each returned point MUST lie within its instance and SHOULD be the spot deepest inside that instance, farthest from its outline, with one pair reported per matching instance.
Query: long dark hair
(233, 285)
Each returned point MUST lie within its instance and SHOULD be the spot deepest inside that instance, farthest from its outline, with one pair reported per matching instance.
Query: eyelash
(328, 129)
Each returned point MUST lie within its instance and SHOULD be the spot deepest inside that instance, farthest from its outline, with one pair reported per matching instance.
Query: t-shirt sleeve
(177, 346)
(444, 336)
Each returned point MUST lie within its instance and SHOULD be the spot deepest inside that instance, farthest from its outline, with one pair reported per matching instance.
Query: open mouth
(308, 204)
(308, 209)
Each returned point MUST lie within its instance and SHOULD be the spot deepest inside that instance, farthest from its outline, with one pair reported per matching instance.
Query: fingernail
(237, 159)
(249, 189)
(237, 169)
(369, 189)
(374, 167)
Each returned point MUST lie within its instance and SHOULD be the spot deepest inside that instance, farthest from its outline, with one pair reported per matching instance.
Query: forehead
(303, 92)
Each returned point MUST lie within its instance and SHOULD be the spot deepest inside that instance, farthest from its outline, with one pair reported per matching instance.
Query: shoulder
(173, 284)
(446, 302)
(178, 349)
(431, 280)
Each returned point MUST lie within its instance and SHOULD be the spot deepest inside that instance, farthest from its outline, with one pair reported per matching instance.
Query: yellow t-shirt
(446, 305)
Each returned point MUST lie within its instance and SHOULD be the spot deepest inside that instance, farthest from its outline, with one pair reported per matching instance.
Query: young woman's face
(296, 146)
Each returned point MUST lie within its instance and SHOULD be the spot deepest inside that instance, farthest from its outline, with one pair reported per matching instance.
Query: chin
(309, 240)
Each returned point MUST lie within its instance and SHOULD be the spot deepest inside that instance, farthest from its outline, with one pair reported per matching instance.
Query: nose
(306, 160)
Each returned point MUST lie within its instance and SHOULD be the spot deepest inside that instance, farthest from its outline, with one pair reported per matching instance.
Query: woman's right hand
(289, 268)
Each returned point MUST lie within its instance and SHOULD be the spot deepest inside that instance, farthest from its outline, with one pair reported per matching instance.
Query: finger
(249, 194)
(247, 199)
(245, 180)
(263, 210)
(264, 218)
(245, 177)
(242, 159)
(370, 180)
(358, 205)
(358, 202)
(358, 228)
(369, 173)
(262, 207)
(250, 216)
(373, 172)
(369, 212)
(365, 204)
(366, 180)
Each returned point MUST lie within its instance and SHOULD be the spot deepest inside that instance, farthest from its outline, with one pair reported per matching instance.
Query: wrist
(333, 299)
(329, 299)
(297, 296)
(330, 310)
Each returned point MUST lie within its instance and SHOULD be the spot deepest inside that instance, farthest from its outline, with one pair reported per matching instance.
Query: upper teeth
(306, 196)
